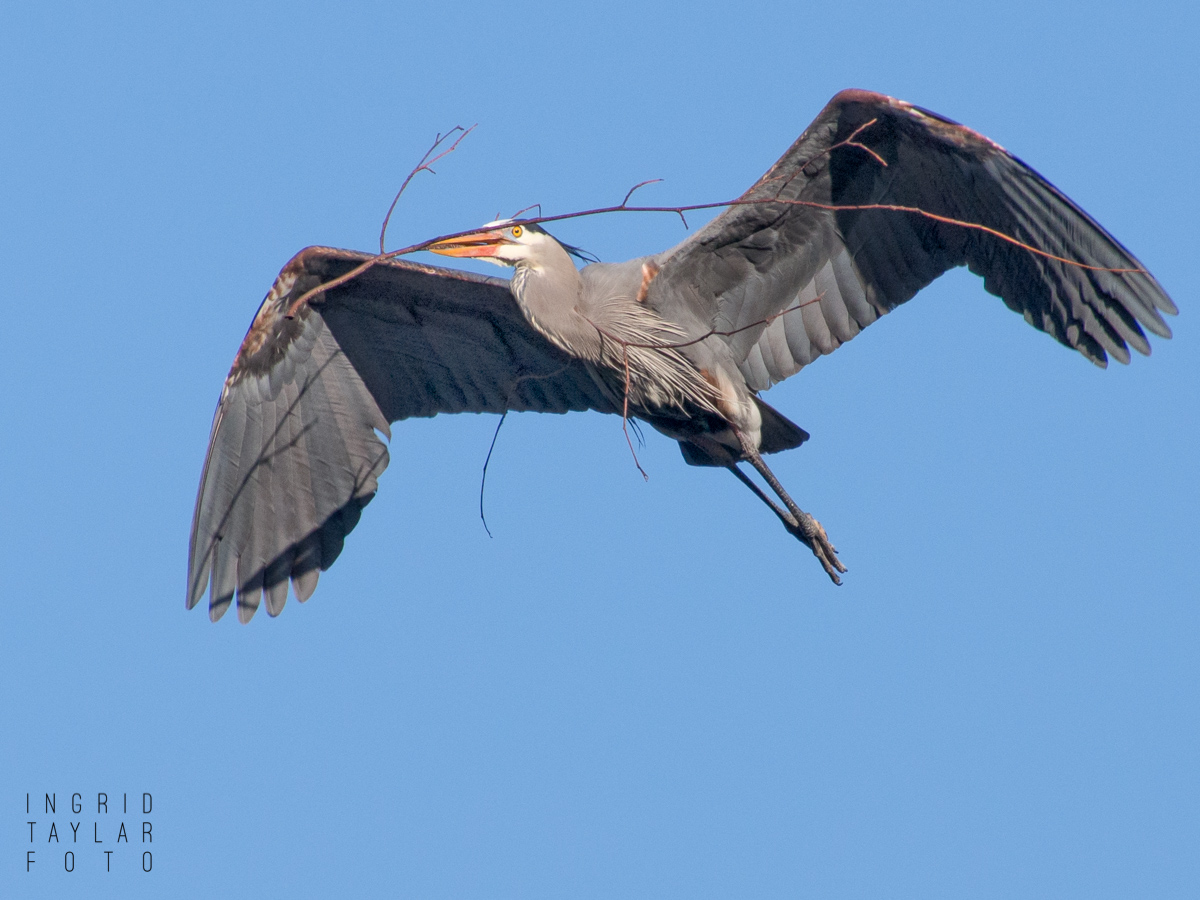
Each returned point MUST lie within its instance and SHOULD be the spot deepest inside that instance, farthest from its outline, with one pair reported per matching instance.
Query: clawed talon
(811, 533)
(799, 524)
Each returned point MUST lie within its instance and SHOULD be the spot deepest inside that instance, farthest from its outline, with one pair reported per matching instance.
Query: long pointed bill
(478, 243)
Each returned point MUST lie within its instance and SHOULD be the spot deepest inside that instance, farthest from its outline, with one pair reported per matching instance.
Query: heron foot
(798, 523)
(812, 534)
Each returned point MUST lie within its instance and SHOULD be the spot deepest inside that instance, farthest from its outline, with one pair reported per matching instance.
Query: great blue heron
(875, 200)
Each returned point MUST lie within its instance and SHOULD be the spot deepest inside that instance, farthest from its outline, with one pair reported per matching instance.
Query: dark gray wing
(801, 240)
(295, 450)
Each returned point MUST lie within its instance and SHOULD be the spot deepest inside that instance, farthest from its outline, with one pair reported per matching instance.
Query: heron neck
(549, 293)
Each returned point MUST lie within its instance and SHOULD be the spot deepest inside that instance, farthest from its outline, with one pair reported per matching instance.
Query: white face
(504, 243)
(519, 244)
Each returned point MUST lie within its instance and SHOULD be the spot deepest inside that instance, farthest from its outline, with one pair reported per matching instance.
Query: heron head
(505, 243)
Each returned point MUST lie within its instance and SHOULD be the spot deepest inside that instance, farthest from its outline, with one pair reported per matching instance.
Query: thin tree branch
(812, 204)
(626, 346)
(433, 155)
(521, 212)
(529, 376)
(424, 166)
(624, 207)
(625, 410)
(640, 184)
(483, 480)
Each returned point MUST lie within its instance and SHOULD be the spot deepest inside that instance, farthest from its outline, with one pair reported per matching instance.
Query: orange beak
(478, 243)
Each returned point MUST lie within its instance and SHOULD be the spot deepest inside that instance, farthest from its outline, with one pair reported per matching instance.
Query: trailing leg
(799, 523)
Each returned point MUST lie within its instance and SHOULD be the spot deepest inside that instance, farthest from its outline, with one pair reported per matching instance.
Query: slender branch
(624, 207)
(802, 168)
(521, 212)
(851, 142)
(483, 480)
(626, 346)
(625, 410)
(529, 376)
(765, 320)
(425, 165)
(433, 154)
(812, 204)
(640, 184)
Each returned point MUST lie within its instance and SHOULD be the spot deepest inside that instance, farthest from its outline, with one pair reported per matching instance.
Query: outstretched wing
(854, 219)
(295, 450)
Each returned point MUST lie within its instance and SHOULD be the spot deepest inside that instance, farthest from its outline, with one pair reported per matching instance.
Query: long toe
(811, 533)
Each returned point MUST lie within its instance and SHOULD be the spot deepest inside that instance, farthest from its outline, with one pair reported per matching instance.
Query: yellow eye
(517, 231)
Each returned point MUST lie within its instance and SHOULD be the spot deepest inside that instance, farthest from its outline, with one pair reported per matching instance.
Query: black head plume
(578, 252)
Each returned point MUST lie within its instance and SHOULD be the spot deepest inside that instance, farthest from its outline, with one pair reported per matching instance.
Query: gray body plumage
(594, 315)
(653, 361)
(875, 200)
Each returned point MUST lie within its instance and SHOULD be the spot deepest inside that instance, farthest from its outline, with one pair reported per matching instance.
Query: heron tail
(778, 431)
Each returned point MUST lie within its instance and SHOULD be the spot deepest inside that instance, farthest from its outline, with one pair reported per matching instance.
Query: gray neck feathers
(549, 292)
(598, 320)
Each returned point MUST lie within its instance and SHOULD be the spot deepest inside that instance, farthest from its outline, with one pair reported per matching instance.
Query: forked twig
(851, 142)
(425, 165)
(521, 212)
(624, 207)
(433, 154)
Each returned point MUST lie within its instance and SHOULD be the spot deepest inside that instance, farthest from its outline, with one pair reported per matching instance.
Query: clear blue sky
(634, 689)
